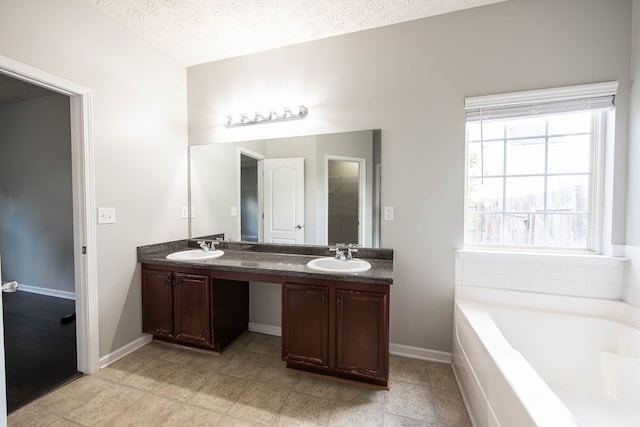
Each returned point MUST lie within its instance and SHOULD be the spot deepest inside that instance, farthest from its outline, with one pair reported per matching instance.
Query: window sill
(601, 261)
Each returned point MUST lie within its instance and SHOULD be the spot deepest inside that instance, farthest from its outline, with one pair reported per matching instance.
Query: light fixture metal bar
(271, 116)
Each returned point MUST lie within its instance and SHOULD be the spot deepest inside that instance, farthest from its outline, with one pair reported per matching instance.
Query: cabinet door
(305, 324)
(361, 333)
(157, 307)
(192, 314)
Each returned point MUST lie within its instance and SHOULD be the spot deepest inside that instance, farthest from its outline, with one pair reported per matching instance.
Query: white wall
(139, 127)
(36, 201)
(214, 190)
(633, 190)
(632, 252)
(410, 80)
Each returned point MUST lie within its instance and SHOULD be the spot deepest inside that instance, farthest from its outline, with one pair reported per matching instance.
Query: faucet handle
(207, 245)
(339, 250)
(339, 247)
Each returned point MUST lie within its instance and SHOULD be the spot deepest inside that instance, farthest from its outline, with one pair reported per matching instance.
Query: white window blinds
(537, 102)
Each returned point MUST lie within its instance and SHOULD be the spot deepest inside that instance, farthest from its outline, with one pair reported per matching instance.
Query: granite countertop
(272, 259)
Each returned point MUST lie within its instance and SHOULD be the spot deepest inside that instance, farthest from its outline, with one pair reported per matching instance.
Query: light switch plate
(234, 211)
(388, 213)
(106, 215)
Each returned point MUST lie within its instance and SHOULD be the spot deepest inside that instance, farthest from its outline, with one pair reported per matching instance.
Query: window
(533, 167)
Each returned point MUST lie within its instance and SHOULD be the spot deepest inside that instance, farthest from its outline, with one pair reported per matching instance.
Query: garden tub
(525, 359)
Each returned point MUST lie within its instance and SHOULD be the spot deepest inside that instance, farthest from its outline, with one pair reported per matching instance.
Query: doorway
(249, 207)
(83, 201)
(36, 239)
(345, 184)
(250, 195)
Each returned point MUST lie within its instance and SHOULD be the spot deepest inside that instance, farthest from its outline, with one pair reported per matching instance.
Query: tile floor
(167, 385)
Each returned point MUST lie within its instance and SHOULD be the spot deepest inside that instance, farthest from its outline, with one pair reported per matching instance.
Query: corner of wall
(631, 288)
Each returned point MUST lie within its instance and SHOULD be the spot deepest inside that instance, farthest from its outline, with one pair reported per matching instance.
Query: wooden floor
(40, 351)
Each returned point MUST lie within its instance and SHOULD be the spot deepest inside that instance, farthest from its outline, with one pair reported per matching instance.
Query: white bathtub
(524, 359)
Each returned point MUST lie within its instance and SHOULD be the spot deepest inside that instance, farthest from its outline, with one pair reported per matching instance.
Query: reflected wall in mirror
(320, 189)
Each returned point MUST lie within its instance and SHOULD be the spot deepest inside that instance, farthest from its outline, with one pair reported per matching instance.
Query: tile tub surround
(166, 385)
(272, 259)
(589, 276)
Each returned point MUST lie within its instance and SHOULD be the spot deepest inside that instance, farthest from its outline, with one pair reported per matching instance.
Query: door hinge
(84, 250)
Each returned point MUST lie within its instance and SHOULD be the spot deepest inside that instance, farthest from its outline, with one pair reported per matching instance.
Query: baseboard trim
(47, 292)
(123, 351)
(419, 353)
(265, 329)
(395, 349)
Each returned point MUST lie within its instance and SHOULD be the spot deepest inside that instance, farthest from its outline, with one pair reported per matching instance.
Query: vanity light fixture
(270, 116)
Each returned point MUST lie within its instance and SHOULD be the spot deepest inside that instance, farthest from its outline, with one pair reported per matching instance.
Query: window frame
(525, 104)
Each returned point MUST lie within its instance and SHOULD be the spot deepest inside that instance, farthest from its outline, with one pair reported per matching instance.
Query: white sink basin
(194, 255)
(332, 265)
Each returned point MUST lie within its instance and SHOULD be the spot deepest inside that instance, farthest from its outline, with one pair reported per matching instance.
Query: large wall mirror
(320, 189)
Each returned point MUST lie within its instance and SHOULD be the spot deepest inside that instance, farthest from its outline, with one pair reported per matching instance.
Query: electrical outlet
(106, 215)
(388, 213)
(185, 212)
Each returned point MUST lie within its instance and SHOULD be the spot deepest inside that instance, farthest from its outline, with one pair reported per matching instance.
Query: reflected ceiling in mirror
(319, 189)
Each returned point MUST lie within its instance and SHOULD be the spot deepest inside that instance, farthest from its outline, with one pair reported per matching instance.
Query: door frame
(259, 157)
(362, 195)
(84, 226)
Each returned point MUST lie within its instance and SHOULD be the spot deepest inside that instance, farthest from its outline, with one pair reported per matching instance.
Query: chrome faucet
(351, 249)
(339, 250)
(207, 246)
(344, 252)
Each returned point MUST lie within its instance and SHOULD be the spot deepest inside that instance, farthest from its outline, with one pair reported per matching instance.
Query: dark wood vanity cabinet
(157, 302)
(332, 327)
(339, 328)
(362, 330)
(190, 307)
(305, 326)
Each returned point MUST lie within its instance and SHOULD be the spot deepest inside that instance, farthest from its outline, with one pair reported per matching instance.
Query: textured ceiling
(199, 31)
